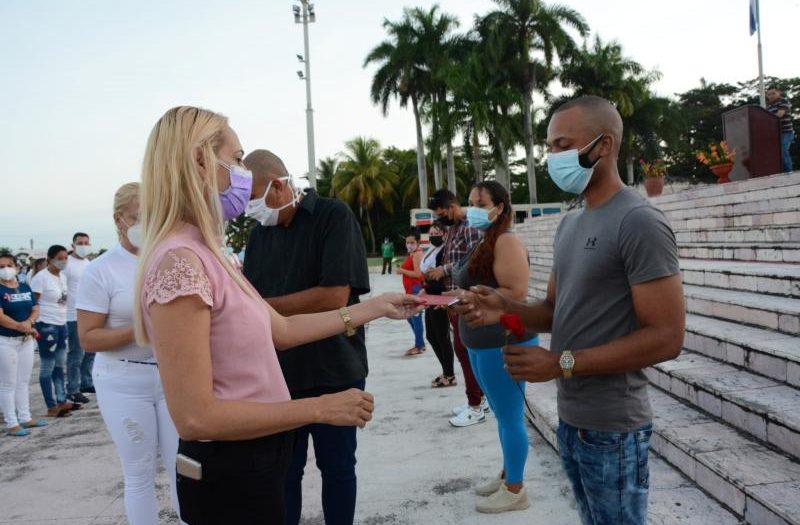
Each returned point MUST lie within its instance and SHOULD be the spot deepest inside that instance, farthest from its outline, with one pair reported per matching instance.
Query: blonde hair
(173, 191)
(124, 196)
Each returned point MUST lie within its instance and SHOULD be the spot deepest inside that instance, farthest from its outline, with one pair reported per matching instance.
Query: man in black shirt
(781, 108)
(307, 255)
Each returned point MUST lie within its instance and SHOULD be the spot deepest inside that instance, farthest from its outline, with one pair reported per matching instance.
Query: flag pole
(762, 98)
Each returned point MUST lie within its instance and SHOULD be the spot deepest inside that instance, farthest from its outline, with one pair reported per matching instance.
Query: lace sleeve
(179, 274)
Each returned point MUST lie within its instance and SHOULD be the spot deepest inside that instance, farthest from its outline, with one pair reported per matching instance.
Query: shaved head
(596, 115)
(265, 166)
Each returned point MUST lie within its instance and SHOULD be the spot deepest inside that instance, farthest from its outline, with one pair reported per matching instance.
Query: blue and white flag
(753, 17)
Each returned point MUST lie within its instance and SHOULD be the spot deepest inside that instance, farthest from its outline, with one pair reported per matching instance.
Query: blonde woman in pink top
(209, 329)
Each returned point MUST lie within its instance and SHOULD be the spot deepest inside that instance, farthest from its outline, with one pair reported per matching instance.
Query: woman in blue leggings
(499, 261)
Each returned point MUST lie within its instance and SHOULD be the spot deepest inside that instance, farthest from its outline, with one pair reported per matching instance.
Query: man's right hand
(481, 303)
(346, 409)
(435, 274)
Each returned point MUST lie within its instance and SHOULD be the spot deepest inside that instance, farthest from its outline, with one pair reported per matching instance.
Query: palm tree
(325, 172)
(400, 76)
(363, 180)
(436, 46)
(535, 28)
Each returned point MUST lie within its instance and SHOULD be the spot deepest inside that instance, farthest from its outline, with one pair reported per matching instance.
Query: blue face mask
(478, 218)
(571, 170)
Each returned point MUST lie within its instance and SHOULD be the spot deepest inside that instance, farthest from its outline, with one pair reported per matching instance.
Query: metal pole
(762, 97)
(312, 163)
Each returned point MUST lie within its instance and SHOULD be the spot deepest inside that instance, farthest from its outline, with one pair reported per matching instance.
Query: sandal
(444, 381)
(34, 423)
(20, 432)
(411, 352)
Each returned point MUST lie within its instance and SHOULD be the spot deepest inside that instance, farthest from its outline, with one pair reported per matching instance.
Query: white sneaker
(461, 408)
(470, 416)
(503, 501)
(490, 487)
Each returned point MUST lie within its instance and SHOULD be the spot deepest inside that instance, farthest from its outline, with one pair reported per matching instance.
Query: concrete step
(674, 499)
(765, 352)
(750, 205)
(765, 311)
(762, 188)
(765, 278)
(756, 483)
(761, 234)
(762, 407)
(787, 252)
(785, 214)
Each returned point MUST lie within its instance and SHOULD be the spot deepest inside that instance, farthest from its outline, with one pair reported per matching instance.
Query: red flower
(513, 324)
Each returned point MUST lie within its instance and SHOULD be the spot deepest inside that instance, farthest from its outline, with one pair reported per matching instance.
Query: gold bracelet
(349, 330)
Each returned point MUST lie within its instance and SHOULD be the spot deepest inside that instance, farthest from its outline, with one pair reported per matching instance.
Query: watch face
(567, 361)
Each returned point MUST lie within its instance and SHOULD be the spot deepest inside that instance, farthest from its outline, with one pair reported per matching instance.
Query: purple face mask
(234, 200)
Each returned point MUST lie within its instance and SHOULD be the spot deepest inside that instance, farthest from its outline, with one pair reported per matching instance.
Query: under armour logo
(591, 243)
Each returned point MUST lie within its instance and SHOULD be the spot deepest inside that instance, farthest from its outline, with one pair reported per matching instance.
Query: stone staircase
(727, 410)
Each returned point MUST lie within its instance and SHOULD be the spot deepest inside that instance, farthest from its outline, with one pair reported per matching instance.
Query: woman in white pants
(18, 312)
(125, 375)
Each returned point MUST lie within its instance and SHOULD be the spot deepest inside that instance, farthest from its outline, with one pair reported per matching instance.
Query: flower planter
(654, 186)
(721, 171)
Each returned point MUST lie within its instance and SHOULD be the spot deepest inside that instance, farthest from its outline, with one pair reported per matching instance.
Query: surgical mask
(8, 273)
(436, 240)
(411, 248)
(228, 250)
(234, 199)
(258, 210)
(60, 265)
(82, 251)
(134, 233)
(570, 169)
(478, 218)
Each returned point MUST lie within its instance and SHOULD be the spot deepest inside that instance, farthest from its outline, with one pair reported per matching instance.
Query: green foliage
(238, 232)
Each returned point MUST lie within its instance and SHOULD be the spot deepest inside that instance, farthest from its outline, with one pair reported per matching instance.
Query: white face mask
(8, 273)
(134, 233)
(258, 210)
(82, 250)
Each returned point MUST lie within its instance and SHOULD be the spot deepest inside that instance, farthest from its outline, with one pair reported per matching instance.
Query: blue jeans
(505, 397)
(419, 331)
(335, 451)
(787, 137)
(53, 357)
(86, 370)
(609, 473)
(74, 359)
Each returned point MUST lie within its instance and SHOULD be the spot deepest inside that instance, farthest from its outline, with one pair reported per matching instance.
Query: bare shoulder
(508, 241)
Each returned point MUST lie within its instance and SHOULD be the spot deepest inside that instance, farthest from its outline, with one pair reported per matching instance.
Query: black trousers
(387, 261)
(437, 329)
(243, 481)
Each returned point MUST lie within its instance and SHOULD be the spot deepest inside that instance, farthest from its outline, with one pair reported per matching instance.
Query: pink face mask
(234, 199)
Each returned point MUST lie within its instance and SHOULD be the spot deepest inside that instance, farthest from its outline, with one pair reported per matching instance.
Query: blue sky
(85, 80)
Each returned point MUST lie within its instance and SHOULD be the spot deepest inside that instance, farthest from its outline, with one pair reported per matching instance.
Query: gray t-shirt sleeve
(647, 245)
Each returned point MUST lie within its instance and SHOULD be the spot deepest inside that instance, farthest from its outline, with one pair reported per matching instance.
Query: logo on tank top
(591, 243)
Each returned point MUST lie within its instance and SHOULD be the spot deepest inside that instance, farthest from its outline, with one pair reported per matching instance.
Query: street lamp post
(304, 14)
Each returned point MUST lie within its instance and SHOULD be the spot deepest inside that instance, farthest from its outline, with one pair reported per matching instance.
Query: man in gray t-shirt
(614, 306)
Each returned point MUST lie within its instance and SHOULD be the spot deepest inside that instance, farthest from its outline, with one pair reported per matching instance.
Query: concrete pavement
(414, 468)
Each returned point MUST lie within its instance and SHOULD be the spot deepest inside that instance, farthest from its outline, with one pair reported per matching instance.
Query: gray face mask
(60, 265)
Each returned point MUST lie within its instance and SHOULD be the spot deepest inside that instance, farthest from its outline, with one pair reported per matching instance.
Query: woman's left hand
(401, 306)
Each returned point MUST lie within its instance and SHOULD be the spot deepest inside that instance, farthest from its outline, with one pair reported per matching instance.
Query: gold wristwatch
(566, 362)
(349, 330)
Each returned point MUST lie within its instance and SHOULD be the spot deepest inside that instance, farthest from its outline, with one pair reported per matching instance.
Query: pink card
(438, 300)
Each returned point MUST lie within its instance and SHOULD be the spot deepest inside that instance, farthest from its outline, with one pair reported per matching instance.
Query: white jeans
(133, 406)
(16, 364)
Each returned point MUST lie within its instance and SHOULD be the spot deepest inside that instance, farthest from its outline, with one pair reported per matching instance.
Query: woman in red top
(412, 282)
